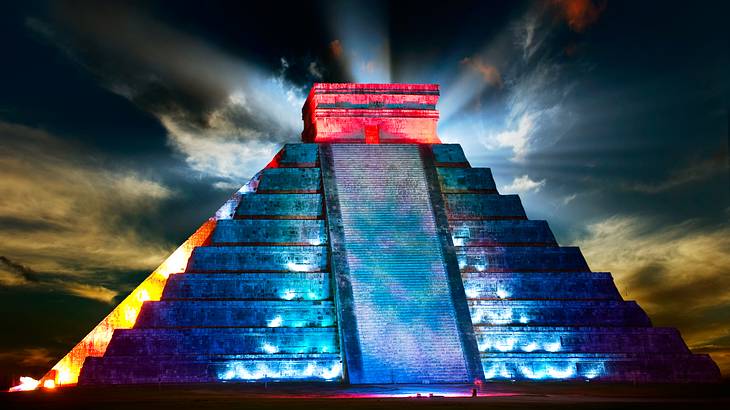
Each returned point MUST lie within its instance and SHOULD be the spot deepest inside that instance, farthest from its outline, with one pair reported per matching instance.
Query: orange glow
(579, 14)
(67, 370)
(26, 384)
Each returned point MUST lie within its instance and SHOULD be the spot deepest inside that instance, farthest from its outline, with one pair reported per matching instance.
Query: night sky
(124, 126)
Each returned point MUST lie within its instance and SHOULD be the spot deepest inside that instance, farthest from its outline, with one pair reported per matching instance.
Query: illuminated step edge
(270, 231)
(599, 366)
(540, 285)
(235, 313)
(258, 258)
(280, 205)
(241, 285)
(130, 370)
(223, 341)
(521, 258)
(557, 313)
(501, 233)
(579, 340)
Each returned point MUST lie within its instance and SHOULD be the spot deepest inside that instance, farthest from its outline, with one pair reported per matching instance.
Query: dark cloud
(156, 66)
(13, 274)
(17, 272)
(67, 218)
(695, 171)
(680, 274)
(213, 104)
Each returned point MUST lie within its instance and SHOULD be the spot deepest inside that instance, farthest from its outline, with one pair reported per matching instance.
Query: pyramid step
(579, 340)
(455, 180)
(484, 207)
(501, 232)
(222, 341)
(146, 370)
(273, 285)
(301, 180)
(297, 155)
(270, 231)
(557, 313)
(603, 367)
(258, 258)
(540, 285)
(449, 155)
(222, 313)
(521, 259)
(292, 206)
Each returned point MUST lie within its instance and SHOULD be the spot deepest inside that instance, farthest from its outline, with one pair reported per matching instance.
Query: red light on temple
(371, 113)
(372, 134)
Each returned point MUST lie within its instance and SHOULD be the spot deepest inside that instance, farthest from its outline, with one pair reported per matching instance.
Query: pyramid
(371, 253)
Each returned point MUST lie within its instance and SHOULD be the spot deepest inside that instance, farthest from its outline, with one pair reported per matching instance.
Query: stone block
(235, 313)
(258, 258)
(521, 259)
(449, 155)
(302, 180)
(221, 341)
(557, 313)
(501, 233)
(484, 207)
(540, 285)
(294, 206)
(270, 231)
(270, 285)
(456, 180)
(298, 155)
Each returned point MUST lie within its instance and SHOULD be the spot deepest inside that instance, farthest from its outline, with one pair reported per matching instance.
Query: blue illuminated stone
(280, 205)
(270, 231)
(387, 264)
(289, 180)
(484, 206)
(466, 179)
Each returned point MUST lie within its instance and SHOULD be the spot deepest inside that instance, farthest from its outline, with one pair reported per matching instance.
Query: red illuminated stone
(371, 113)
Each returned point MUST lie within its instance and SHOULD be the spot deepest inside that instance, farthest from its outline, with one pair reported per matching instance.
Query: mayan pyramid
(372, 253)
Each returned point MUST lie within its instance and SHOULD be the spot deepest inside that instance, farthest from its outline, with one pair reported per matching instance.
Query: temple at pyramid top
(371, 113)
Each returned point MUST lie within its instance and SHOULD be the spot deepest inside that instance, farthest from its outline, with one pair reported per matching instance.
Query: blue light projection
(244, 370)
(515, 342)
(501, 316)
(542, 368)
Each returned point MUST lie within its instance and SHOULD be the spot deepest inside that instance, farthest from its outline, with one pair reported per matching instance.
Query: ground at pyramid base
(373, 254)
(491, 395)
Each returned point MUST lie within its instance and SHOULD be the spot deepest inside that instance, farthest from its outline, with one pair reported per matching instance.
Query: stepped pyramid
(372, 253)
